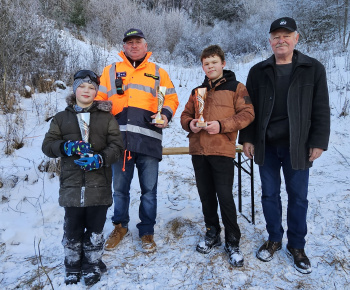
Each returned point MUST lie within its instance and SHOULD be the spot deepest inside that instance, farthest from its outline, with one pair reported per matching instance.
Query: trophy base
(156, 121)
(201, 124)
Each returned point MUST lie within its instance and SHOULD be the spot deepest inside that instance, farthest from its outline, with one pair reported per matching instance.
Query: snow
(31, 221)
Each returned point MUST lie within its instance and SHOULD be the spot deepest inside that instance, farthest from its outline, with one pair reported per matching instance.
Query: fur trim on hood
(105, 106)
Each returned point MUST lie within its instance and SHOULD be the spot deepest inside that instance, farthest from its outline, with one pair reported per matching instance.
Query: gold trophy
(161, 96)
(84, 123)
(201, 96)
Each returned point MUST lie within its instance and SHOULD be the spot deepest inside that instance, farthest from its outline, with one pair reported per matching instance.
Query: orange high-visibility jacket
(138, 102)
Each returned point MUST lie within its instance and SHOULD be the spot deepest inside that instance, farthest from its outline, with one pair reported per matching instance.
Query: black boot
(72, 278)
(92, 276)
(72, 260)
(301, 261)
(267, 250)
(212, 239)
(102, 266)
(92, 264)
(235, 254)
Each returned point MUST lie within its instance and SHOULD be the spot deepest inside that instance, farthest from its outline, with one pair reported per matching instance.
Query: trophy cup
(160, 95)
(84, 122)
(201, 96)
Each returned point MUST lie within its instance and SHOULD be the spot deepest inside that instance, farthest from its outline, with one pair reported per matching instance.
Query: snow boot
(212, 239)
(91, 277)
(235, 255)
(72, 278)
(102, 266)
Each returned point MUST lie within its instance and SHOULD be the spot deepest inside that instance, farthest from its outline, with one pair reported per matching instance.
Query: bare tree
(346, 32)
(20, 39)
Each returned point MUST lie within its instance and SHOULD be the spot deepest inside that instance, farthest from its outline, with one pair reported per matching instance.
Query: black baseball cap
(284, 22)
(133, 32)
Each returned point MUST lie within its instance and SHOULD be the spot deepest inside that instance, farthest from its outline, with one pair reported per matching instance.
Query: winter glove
(90, 163)
(76, 147)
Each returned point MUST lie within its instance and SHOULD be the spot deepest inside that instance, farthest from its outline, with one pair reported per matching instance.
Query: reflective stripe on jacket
(133, 109)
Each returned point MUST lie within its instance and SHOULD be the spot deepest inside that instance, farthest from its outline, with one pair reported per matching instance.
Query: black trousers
(83, 237)
(214, 178)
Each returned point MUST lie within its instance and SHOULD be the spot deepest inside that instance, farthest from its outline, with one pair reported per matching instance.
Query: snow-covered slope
(31, 221)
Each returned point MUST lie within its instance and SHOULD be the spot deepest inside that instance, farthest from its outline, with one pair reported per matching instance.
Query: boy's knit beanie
(78, 82)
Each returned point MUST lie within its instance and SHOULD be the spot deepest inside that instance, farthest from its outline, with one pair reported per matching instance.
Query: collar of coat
(105, 106)
(299, 59)
(227, 76)
(126, 60)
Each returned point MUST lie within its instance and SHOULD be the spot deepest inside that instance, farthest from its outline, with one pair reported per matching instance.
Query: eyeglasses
(82, 74)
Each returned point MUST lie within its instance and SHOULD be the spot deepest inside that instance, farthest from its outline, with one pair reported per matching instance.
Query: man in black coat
(291, 129)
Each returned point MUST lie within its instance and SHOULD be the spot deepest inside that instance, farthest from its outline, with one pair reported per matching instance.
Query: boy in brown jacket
(227, 109)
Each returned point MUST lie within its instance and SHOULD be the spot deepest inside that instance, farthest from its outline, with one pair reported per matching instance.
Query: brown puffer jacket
(228, 102)
(105, 139)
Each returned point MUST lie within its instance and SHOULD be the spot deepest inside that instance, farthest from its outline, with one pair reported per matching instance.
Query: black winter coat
(105, 139)
(307, 105)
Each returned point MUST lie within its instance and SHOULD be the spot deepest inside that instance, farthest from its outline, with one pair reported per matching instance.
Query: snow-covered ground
(31, 220)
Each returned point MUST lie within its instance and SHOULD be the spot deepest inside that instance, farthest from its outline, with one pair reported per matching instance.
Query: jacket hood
(227, 76)
(105, 106)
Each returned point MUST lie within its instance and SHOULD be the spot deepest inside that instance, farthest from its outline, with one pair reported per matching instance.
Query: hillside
(31, 221)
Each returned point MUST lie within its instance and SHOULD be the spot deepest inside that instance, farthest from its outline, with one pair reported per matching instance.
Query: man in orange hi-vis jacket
(132, 85)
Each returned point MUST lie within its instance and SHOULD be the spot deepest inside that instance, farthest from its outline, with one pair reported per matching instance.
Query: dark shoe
(91, 278)
(235, 254)
(102, 266)
(72, 278)
(212, 239)
(301, 261)
(267, 250)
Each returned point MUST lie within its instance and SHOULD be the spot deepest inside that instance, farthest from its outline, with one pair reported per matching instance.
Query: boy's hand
(76, 147)
(90, 163)
(193, 126)
(213, 127)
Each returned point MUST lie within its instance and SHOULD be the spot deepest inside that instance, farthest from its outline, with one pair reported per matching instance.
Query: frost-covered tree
(163, 29)
(321, 20)
(20, 38)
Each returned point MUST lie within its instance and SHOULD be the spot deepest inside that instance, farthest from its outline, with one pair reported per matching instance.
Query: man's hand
(314, 153)
(248, 149)
(213, 127)
(163, 118)
(193, 126)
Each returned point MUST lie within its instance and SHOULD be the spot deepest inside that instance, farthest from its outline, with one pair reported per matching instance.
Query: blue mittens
(76, 147)
(90, 163)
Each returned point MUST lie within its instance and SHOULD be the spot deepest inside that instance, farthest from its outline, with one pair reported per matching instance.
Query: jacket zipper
(82, 192)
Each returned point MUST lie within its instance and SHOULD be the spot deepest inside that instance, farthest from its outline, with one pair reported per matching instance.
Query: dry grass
(50, 165)
(178, 226)
(43, 83)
